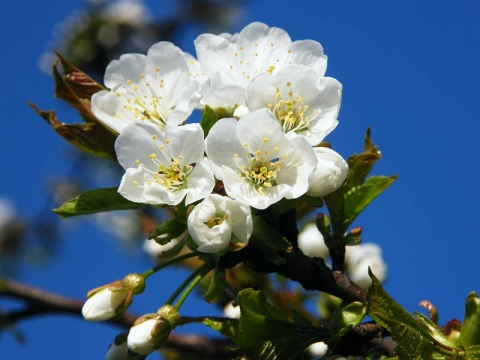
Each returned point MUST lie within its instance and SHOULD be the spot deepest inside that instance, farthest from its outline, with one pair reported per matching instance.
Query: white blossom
(163, 168)
(219, 222)
(303, 102)
(359, 258)
(331, 172)
(104, 304)
(154, 88)
(257, 162)
(311, 242)
(230, 62)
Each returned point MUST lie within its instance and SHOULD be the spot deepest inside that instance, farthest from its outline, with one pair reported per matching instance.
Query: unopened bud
(148, 334)
(118, 350)
(111, 300)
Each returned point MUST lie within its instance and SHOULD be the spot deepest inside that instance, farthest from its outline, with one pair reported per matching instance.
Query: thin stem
(169, 262)
(189, 283)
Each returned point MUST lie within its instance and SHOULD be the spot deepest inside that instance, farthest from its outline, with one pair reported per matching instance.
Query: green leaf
(358, 198)
(470, 334)
(209, 118)
(260, 321)
(414, 339)
(95, 201)
(345, 204)
(348, 316)
(216, 288)
(269, 241)
(411, 344)
(88, 137)
(226, 327)
(360, 165)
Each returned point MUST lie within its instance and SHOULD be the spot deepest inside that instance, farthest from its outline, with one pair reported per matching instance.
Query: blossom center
(216, 220)
(261, 166)
(143, 103)
(291, 111)
(171, 176)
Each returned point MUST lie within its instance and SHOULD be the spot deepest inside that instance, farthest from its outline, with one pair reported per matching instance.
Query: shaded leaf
(88, 137)
(260, 321)
(269, 241)
(216, 288)
(166, 231)
(209, 118)
(95, 201)
(75, 87)
(226, 327)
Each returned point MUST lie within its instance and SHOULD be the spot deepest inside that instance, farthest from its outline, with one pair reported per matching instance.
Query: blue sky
(410, 71)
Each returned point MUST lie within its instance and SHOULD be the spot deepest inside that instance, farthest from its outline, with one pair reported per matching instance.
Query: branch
(311, 273)
(41, 302)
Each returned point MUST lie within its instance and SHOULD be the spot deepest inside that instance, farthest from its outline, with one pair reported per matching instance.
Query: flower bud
(148, 334)
(318, 349)
(118, 350)
(359, 258)
(109, 301)
(231, 311)
(329, 174)
(311, 242)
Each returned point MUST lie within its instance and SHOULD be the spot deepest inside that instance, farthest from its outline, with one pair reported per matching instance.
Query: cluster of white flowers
(282, 107)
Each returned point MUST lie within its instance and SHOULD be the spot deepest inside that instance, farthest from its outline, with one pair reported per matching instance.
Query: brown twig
(40, 302)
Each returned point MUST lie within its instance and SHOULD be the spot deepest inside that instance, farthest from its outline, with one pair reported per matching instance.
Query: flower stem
(169, 262)
(190, 282)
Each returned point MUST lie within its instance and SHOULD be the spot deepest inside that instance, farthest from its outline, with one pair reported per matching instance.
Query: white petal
(222, 144)
(308, 53)
(137, 142)
(128, 67)
(200, 182)
(187, 141)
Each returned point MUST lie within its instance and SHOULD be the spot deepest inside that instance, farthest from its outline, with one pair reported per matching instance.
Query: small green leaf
(470, 334)
(348, 316)
(269, 241)
(209, 118)
(347, 202)
(95, 201)
(216, 288)
(260, 321)
(226, 327)
(359, 197)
